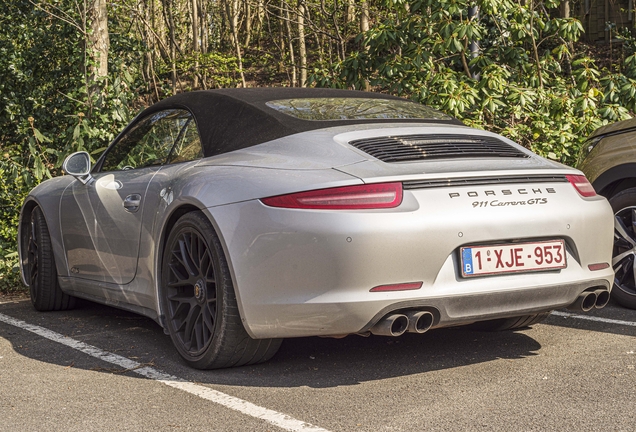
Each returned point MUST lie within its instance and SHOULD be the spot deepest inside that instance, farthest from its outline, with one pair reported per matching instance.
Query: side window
(148, 143)
(188, 146)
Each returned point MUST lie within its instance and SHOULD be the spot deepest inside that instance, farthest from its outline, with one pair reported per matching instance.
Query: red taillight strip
(581, 184)
(598, 266)
(398, 287)
(358, 197)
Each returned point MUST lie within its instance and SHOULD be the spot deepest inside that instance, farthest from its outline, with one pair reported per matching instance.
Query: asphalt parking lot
(98, 368)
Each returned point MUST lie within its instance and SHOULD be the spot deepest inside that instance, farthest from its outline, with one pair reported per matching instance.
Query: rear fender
(616, 179)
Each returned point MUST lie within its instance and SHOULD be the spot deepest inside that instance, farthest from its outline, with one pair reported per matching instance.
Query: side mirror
(79, 166)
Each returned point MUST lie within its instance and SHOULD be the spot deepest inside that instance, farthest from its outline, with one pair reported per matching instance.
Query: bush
(530, 80)
(49, 110)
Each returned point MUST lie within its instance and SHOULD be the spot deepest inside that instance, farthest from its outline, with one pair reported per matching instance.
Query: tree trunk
(195, 41)
(565, 9)
(203, 19)
(364, 16)
(152, 43)
(341, 41)
(167, 11)
(204, 26)
(98, 40)
(320, 45)
(232, 14)
(248, 23)
(608, 31)
(364, 27)
(351, 11)
(534, 45)
(281, 38)
(260, 13)
(302, 47)
(291, 45)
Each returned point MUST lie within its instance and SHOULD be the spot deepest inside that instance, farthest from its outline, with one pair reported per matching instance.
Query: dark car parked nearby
(608, 159)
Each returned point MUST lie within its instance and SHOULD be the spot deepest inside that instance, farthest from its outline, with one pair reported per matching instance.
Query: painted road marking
(281, 420)
(594, 318)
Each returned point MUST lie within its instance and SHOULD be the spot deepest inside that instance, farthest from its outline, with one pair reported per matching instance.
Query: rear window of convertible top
(354, 109)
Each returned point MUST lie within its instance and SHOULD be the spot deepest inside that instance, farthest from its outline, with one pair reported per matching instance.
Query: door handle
(132, 202)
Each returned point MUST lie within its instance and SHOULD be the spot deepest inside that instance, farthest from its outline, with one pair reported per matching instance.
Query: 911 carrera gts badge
(497, 203)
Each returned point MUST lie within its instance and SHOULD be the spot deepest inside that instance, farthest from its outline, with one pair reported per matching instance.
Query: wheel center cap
(199, 291)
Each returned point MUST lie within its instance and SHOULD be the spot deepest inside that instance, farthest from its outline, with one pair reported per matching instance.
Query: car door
(102, 220)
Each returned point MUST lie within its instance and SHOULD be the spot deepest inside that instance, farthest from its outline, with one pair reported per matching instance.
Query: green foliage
(51, 107)
(9, 276)
(531, 79)
(217, 70)
(47, 109)
(526, 83)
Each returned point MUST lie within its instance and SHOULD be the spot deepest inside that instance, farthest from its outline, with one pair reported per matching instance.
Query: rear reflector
(598, 266)
(398, 287)
(582, 186)
(358, 197)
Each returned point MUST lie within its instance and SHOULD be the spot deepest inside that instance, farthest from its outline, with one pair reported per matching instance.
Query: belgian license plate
(513, 258)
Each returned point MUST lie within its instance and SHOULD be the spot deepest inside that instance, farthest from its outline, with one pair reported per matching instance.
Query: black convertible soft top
(233, 119)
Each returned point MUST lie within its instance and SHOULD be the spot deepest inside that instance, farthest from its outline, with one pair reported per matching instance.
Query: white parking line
(275, 418)
(594, 318)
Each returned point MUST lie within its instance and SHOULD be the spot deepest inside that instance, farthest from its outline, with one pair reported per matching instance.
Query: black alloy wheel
(191, 291)
(199, 302)
(624, 253)
(44, 288)
(33, 257)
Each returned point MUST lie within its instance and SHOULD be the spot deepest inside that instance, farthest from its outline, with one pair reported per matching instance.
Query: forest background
(74, 72)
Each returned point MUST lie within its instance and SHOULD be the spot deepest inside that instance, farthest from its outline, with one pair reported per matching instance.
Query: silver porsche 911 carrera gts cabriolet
(238, 217)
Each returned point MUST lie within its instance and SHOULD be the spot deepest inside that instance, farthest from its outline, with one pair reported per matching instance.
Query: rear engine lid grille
(407, 148)
(483, 181)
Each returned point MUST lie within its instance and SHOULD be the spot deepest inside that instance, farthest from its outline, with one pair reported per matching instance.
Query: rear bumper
(308, 273)
(466, 309)
(311, 319)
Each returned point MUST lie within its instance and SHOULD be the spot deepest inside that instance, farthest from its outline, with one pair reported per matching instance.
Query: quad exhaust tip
(391, 325)
(602, 298)
(397, 324)
(419, 321)
(588, 300)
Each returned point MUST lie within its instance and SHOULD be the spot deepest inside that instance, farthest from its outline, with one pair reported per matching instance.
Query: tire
(199, 302)
(513, 323)
(45, 291)
(624, 252)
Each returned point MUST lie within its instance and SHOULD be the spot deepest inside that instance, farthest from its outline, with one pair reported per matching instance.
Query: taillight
(358, 197)
(398, 287)
(582, 186)
(598, 266)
